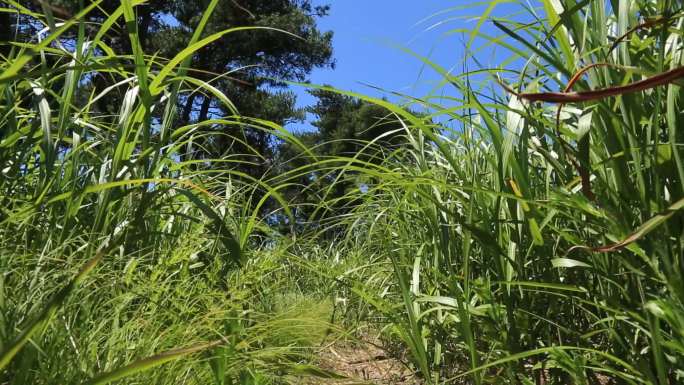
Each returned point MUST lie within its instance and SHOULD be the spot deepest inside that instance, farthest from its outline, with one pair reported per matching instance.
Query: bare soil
(365, 363)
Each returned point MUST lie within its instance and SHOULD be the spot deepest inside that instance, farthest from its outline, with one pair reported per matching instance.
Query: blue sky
(366, 32)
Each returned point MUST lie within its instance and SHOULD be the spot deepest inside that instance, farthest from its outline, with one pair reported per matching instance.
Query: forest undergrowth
(522, 226)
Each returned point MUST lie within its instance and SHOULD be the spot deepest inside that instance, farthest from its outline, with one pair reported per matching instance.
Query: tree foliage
(346, 128)
(250, 67)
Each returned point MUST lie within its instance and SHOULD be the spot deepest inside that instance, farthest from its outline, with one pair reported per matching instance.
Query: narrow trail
(365, 363)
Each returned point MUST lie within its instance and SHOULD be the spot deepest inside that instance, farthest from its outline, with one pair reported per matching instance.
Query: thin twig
(584, 96)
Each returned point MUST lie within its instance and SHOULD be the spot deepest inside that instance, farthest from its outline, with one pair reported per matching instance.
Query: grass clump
(538, 238)
(123, 259)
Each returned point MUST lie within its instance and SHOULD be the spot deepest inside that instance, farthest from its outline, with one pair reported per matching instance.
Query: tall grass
(537, 239)
(532, 241)
(121, 257)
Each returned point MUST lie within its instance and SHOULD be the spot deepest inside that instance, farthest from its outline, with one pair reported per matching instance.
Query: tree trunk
(5, 31)
(187, 109)
(144, 26)
(204, 110)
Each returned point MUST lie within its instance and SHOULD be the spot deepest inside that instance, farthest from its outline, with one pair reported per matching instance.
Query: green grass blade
(149, 363)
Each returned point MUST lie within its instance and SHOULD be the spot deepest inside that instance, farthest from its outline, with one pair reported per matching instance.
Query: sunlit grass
(526, 249)
(524, 242)
(121, 257)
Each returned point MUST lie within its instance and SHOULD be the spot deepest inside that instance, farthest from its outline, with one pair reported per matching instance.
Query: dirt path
(365, 363)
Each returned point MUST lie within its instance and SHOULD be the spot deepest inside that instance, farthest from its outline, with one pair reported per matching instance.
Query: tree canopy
(249, 67)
